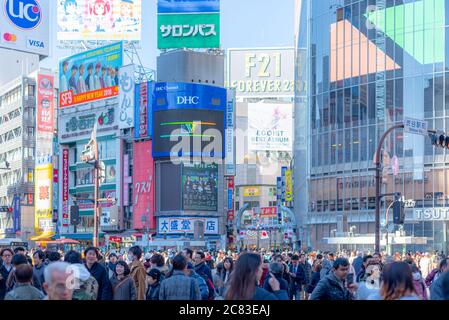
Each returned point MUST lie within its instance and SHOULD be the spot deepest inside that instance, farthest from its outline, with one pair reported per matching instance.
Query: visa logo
(36, 44)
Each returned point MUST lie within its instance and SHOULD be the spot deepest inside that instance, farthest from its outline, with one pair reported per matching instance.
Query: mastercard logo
(9, 37)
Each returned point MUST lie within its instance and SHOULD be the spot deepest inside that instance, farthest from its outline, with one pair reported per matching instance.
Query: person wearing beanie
(154, 284)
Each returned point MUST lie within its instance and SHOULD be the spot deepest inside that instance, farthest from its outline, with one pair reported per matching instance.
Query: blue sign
(16, 212)
(143, 114)
(229, 199)
(24, 14)
(188, 6)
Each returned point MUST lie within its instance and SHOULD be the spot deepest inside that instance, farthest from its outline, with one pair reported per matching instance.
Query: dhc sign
(24, 14)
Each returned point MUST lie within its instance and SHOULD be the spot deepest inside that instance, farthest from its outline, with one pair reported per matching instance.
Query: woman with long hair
(397, 282)
(246, 276)
(123, 285)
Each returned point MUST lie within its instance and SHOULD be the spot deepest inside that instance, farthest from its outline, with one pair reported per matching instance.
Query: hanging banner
(45, 103)
(16, 212)
(143, 116)
(229, 139)
(65, 187)
(288, 186)
(126, 97)
(231, 187)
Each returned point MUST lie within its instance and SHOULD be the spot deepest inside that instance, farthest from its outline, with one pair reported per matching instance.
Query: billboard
(126, 96)
(43, 209)
(200, 187)
(65, 187)
(188, 24)
(143, 186)
(24, 26)
(45, 103)
(90, 76)
(262, 72)
(251, 191)
(143, 121)
(180, 225)
(99, 20)
(189, 120)
(270, 126)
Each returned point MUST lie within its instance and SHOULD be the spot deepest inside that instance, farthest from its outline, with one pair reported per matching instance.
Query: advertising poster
(43, 210)
(24, 26)
(65, 187)
(143, 116)
(108, 20)
(200, 187)
(90, 76)
(16, 212)
(270, 127)
(45, 103)
(179, 225)
(143, 186)
(230, 134)
(288, 186)
(126, 97)
(251, 191)
(188, 24)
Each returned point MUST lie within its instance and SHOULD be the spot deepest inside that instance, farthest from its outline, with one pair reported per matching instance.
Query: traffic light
(74, 215)
(439, 140)
(398, 212)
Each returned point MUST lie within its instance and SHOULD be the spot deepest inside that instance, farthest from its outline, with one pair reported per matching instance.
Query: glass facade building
(370, 65)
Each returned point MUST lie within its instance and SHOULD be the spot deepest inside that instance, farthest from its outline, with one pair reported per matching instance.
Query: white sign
(440, 214)
(270, 126)
(126, 97)
(415, 126)
(177, 225)
(230, 145)
(24, 26)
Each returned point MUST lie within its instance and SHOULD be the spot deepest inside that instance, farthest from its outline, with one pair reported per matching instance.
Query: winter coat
(204, 290)
(202, 268)
(24, 292)
(99, 272)
(436, 289)
(431, 277)
(124, 289)
(39, 271)
(261, 294)
(282, 283)
(153, 291)
(313, 282)
(331, 288)
(87, 284)
(11, 281)
(179, 287)
(4, 277)
(139, 275)
(357, 264)
(326, 268)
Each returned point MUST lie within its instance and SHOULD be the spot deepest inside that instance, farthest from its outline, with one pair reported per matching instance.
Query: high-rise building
(370, 65)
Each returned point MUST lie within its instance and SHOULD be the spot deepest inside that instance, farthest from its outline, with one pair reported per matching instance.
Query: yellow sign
(288, 186)
(251, 191)
(43, 205)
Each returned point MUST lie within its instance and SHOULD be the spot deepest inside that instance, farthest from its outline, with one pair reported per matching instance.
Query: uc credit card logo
(23, 14)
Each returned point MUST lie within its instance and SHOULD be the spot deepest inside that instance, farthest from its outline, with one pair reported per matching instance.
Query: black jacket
(283, 284)
(100, 273)
(4, 273)
(262, 294)
(153, 291)
(330, 288)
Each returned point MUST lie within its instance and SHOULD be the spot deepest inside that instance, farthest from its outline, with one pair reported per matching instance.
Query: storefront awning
(46, 236)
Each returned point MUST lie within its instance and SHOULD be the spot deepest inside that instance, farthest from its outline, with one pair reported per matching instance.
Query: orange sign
(268, 212)
(69, 99)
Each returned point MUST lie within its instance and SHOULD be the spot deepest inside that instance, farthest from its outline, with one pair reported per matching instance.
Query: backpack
(210, 285)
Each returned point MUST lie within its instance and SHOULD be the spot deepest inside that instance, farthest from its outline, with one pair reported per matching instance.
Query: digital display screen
(200, 187)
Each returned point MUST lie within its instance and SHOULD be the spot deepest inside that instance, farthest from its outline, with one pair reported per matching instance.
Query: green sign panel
(188, 30)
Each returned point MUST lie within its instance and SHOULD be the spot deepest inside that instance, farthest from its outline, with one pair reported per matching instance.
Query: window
(31, 90)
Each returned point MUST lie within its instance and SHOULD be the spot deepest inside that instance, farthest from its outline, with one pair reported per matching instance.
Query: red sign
(231, 215)
(55, 175)
(68, 99)
(115, 239)
(143, 186)
(143, 110)
(45, 103)
(231, 183)
(65, 187)
(268, 212)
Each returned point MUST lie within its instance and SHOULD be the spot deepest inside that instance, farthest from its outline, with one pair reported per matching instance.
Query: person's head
(20, 250)
(295, 259)
(276, 268)
(103, 70)
(81, 69)
(153, 276)
(90, 68)
(65, 66)
(228, 264)
(122, 268)
(366, 260)
(113, 258)
(57, 278)
(157, 260)
(331, 256)
(199, 257)
(377, 257)
(397, 281)
(24, 273)
(188, 253)
(19, 259)
(179, 263)
(319, 257)
(247, 272)
(98, 67)
(70, 7)
(54, 256)
(444, 266)
(317, 266)
(74, 70)
(92, 255)
(360, 254)
(277, 258)
(445, 285)
(302, 258)
(135, 253)
(73, 257)
(38, 257)
(341, 268)
(7, 255)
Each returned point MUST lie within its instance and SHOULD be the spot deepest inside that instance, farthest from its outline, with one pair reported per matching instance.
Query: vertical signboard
(142, 110)
(126, 96)
(188, 24)
(43, 211)
(231, 186)
(283, 172)
(45, 103)
(279, 198)
(16, 212)
(65, 187)
(230, 129)
(288, 186)
(143, 186)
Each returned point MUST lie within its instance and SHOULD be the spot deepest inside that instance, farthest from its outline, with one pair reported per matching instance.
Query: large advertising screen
(45, 103)
(106, 20)
(200, 187)
(270, 126)
(262, 72)
(24, 26)
(43, 209)
(188, 24)
(188, 120)
(143, 186)
(90, 76)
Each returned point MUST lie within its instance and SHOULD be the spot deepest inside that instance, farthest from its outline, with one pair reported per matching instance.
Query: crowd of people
(203, 275)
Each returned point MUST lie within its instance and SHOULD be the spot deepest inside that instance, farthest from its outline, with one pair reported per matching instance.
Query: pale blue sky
(244, 23)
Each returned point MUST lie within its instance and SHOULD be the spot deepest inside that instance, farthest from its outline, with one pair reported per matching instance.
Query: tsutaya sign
(431, 214)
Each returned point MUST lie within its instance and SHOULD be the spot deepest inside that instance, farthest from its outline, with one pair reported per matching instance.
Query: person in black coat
(277, 270)
(6, 267)
(154, 284)
(99, 272)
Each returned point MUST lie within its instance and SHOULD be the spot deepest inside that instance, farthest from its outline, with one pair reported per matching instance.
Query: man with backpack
(204, 271)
